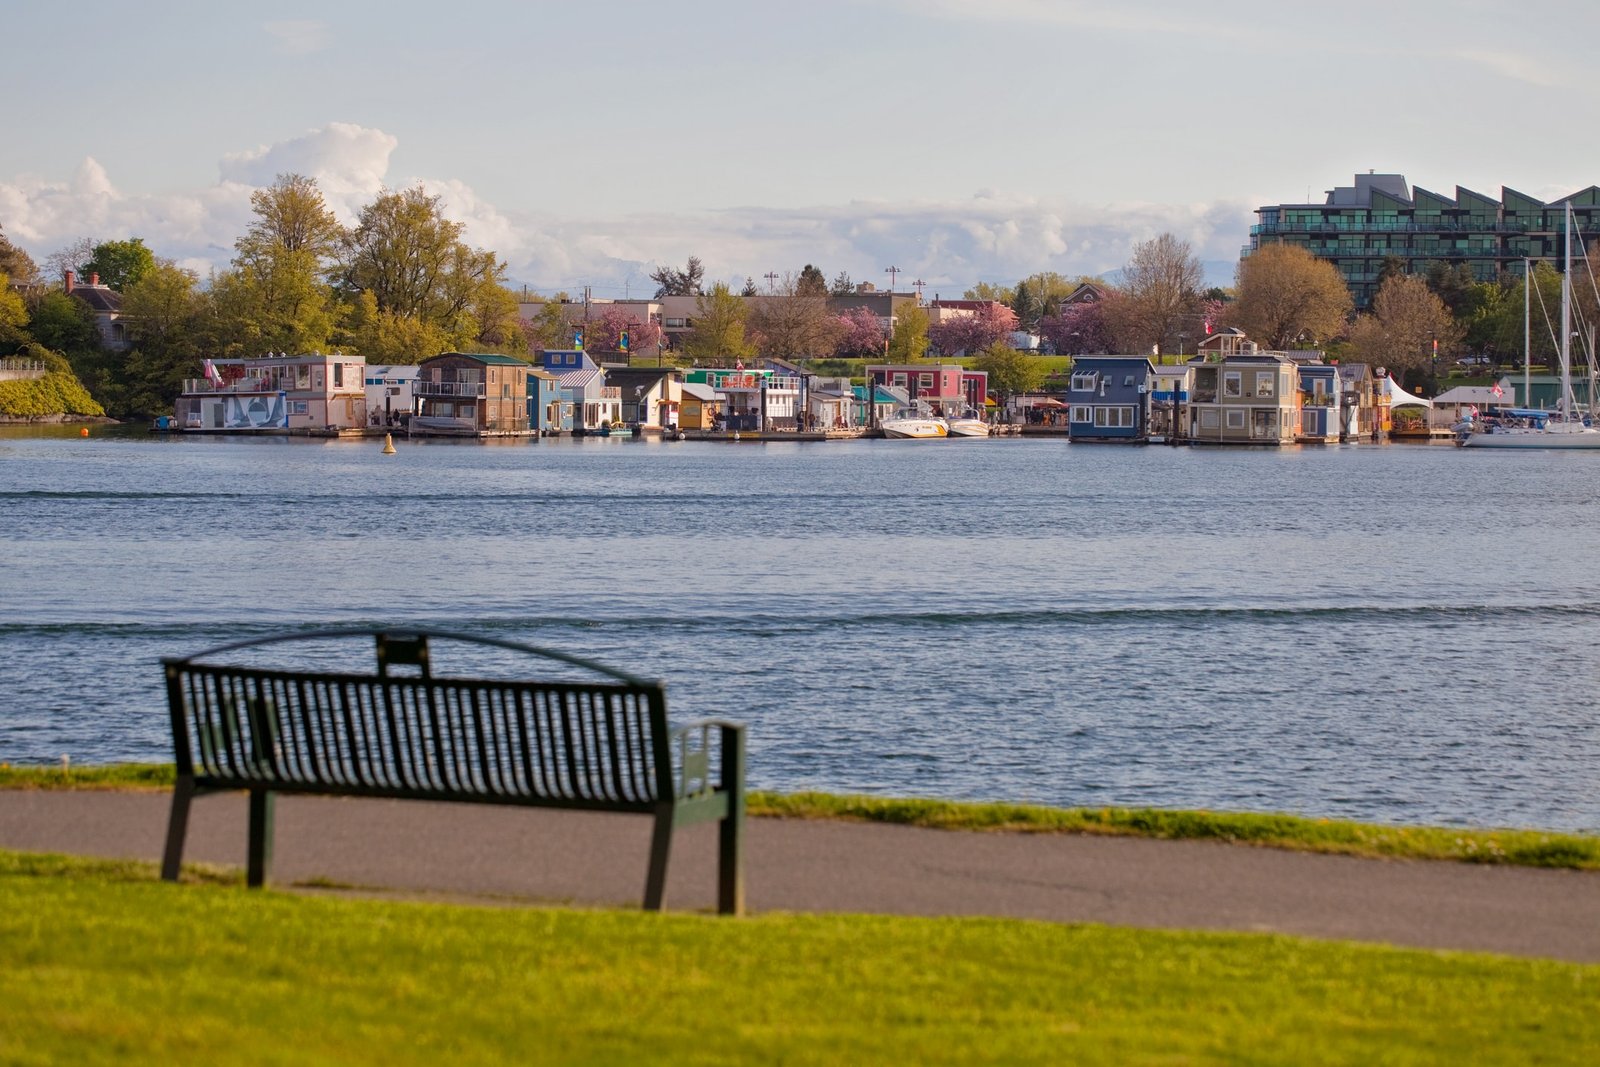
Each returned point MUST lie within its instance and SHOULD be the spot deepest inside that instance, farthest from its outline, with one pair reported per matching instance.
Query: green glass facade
(1359, 226)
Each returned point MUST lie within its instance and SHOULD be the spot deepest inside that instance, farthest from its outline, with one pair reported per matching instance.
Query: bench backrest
(578, 744)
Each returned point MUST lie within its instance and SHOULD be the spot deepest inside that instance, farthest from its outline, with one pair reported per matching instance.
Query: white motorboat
(910, 425)
(1563, 428)
(968, 424)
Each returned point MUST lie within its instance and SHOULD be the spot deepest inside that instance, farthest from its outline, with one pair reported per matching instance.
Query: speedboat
(968, 424)
(910, 424)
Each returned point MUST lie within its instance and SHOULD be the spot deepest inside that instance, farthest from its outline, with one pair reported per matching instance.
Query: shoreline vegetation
(1508, 847)
(106, 963)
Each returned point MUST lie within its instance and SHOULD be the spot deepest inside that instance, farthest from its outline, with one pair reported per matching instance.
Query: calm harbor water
(1396, 633)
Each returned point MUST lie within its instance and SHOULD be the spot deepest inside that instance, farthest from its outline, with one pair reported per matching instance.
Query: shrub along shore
(1523, 848)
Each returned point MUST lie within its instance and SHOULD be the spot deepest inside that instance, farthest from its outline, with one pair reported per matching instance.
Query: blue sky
(958, 140)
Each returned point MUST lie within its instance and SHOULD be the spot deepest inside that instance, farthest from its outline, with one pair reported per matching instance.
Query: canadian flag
(1496, 390)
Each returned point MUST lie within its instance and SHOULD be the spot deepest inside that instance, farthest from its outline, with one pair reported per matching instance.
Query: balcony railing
(241, 385)
(467, 389)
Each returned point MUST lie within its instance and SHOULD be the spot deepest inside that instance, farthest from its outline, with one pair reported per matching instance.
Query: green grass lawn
(1523, 848)
(103, 964)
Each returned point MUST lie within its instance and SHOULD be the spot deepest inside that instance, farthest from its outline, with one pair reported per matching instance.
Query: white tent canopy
(1398, 397)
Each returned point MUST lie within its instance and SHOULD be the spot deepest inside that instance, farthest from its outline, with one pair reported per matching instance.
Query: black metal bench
(412, 734)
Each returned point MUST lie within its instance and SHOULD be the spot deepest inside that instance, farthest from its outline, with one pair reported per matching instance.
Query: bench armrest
(692, 741)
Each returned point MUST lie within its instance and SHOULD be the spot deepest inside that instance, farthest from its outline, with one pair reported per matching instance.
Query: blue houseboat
(1109, 399)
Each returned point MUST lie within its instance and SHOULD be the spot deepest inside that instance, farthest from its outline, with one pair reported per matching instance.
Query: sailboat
(1562, 428)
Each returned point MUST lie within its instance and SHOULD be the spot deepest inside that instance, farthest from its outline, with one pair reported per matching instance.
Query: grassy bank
(1526, 848)
(104, 964)
(1523, 848)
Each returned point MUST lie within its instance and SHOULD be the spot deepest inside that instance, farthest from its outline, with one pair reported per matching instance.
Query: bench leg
(655, 886)
(177, 828)
(259, 858)
(730, 831)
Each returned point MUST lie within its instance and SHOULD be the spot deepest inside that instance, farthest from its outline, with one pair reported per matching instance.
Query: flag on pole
(213, 375)
(1496, 390)
(622, 342)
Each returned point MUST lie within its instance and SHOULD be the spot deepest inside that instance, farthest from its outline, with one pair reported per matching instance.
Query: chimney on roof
(69, 279)
(94, 279)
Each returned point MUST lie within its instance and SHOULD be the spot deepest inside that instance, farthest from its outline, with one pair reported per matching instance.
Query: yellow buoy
(388, 444)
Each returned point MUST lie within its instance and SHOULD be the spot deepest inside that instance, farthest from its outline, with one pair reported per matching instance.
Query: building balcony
(451, 389)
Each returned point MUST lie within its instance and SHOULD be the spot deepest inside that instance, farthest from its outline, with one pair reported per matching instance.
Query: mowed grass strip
(1521, 848)
(1527, 848)
(105, 965)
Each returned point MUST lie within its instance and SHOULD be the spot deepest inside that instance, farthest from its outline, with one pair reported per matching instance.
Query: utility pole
(917, 285)
(772, 280)
(892, 272)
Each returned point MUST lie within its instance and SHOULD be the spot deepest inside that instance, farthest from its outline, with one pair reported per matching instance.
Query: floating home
(471, 394)
(1246, 399)
(1108, 399)
(276, 394)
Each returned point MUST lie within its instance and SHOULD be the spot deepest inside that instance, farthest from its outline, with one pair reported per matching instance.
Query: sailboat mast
(1527, 333)
(1566, 317)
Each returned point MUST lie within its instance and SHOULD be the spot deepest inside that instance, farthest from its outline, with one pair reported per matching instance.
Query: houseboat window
(297, 407)
(338, 375)
(1233, 383)
(1084, 382)
(1081, 414)
(1209, 419)
(302, 377)
(1264, 383)
(1127, 380)
(1236, 420)
(925, 381)
(900, 378)
(505, 390)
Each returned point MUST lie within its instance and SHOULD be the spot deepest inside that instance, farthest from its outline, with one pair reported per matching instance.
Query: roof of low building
(99, 298)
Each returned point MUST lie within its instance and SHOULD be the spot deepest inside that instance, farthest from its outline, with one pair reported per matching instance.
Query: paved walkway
(477, 851)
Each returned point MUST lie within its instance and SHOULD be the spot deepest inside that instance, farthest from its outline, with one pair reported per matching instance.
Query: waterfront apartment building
(1380, 215)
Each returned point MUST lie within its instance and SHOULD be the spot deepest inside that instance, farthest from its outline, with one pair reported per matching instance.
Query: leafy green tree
(719, 323)
(1010, 372)
(385, 337)
(1390, 267)
(842, 285)
(494, 317)
(811, 282)
(412, 259)
(275, 297)
(548, 329)
(16, 263)
(163, 310)
(120, 264)
(673, 282)
(1005, 294)
(13, 313)
(749, 287)
(64, 324)
(291, 216)
(909, 340)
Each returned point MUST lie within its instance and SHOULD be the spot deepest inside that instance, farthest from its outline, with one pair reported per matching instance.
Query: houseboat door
(1265, 424)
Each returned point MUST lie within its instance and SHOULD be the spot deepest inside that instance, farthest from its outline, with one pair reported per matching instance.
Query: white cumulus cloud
(949, 245)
